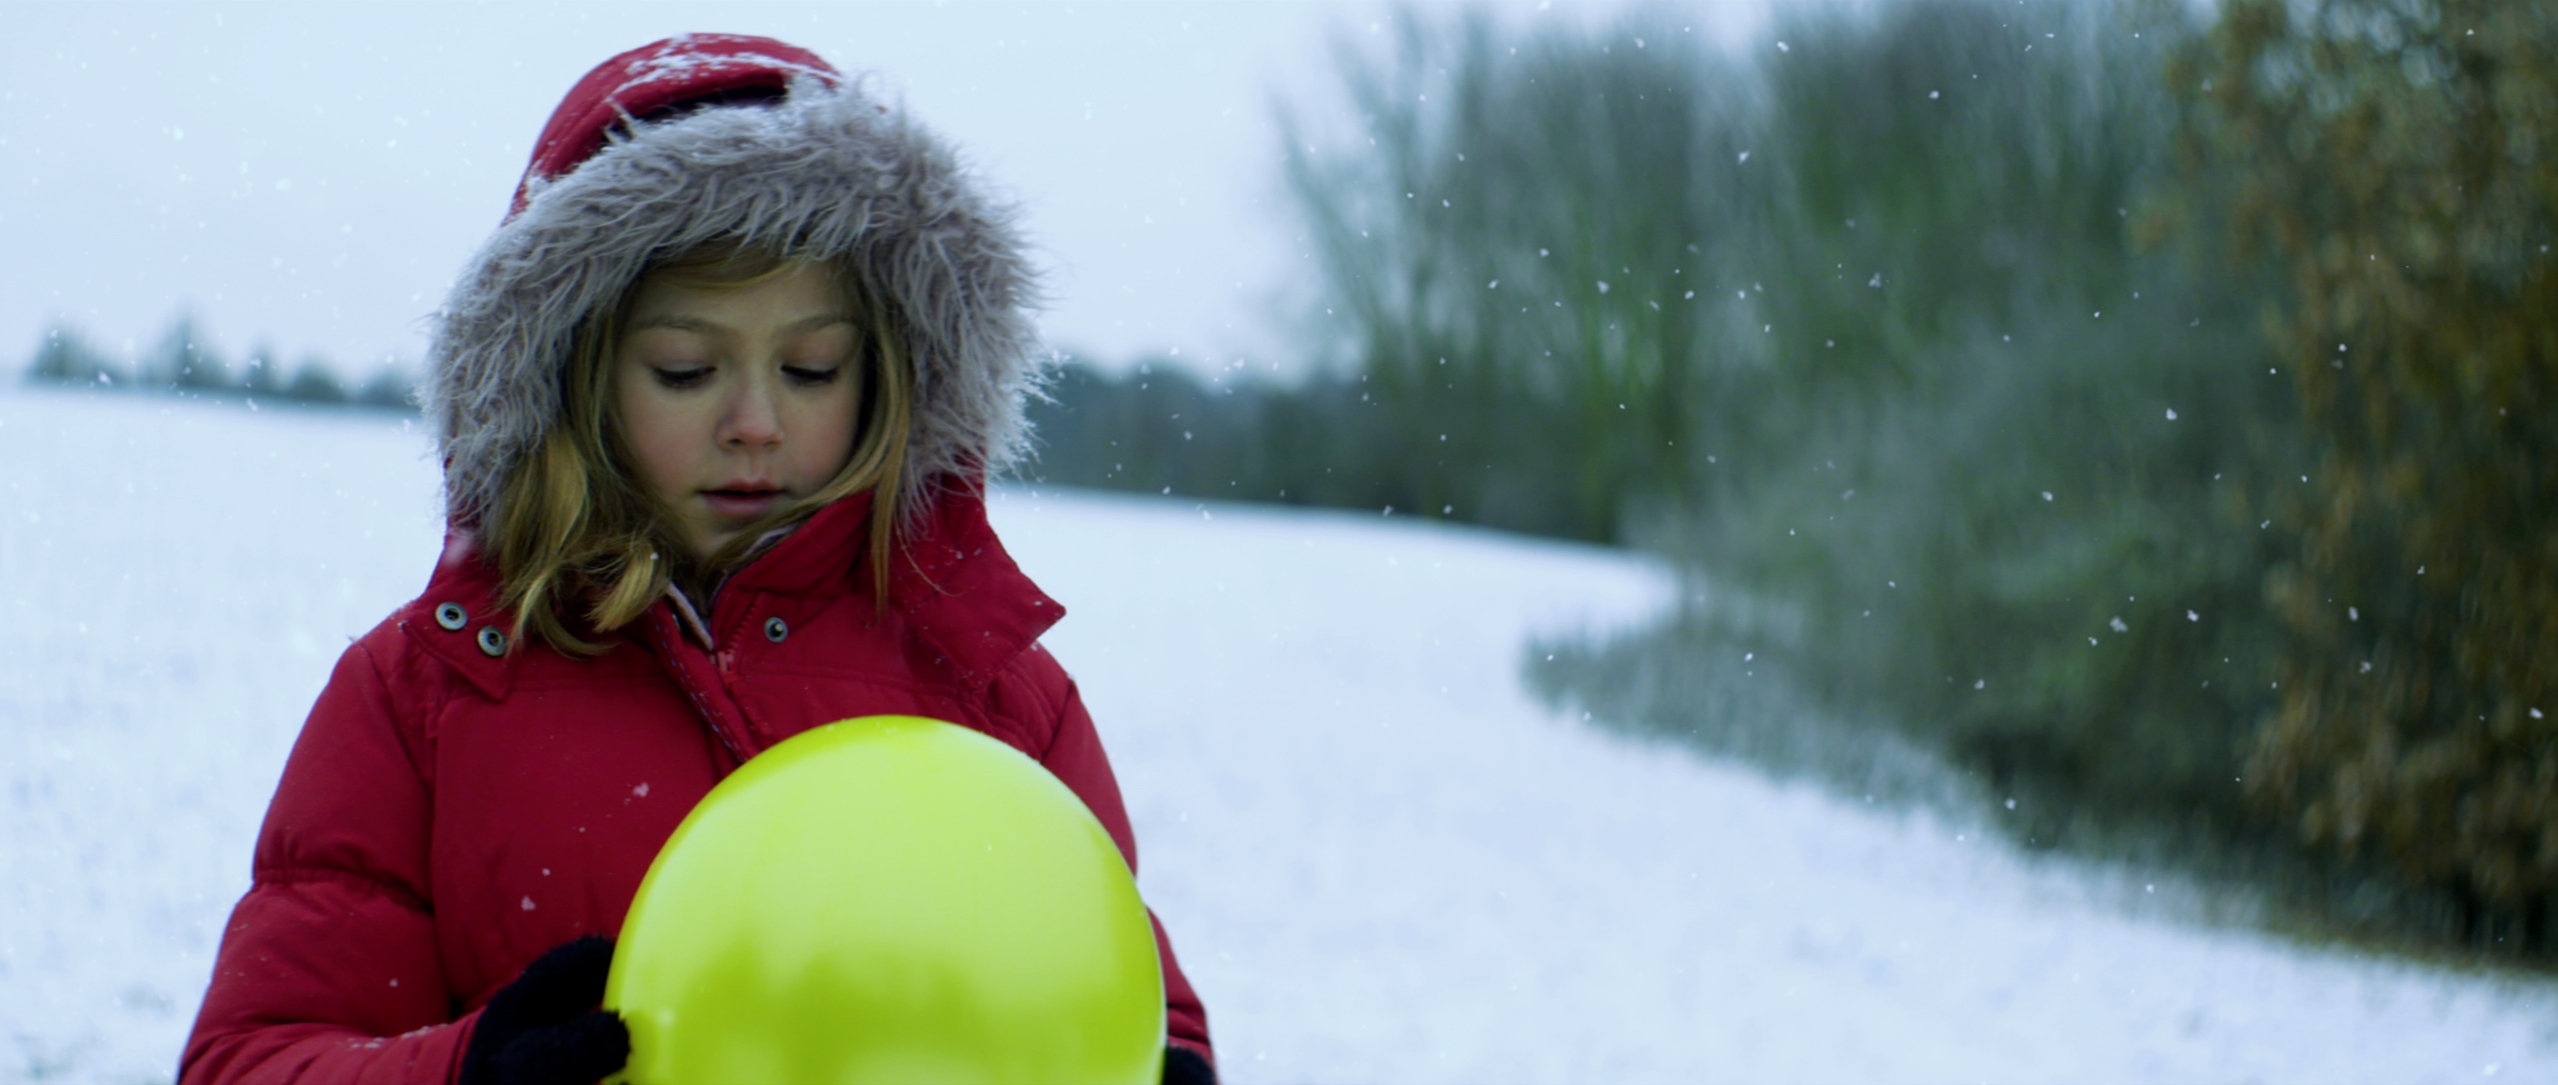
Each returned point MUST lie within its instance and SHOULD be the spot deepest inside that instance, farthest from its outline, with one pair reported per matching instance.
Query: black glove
(545, 1029)
(1182, 1066)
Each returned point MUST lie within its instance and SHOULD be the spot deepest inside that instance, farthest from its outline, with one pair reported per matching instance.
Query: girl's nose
(751, 419)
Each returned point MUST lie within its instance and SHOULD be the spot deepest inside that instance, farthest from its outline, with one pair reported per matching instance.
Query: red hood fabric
(448, 814)
(655, 77)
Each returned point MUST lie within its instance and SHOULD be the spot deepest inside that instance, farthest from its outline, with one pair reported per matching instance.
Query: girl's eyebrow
(682, 323)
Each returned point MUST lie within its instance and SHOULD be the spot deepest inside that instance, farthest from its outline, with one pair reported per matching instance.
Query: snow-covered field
(1380, 859)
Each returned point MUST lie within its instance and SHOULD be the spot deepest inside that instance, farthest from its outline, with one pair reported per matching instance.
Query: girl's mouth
(742, 503)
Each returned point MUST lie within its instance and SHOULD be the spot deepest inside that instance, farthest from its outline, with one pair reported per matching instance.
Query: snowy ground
(1380, 859)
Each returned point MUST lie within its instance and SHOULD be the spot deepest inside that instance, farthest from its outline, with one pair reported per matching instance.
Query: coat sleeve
(1073, 753)
(328, 970)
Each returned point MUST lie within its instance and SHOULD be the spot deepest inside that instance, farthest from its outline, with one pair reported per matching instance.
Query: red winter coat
(449, 814)
(452, 812)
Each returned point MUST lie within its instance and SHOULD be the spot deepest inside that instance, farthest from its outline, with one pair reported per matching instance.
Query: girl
(716, 405)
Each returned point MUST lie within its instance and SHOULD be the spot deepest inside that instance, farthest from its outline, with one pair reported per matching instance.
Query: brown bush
(2398, 159)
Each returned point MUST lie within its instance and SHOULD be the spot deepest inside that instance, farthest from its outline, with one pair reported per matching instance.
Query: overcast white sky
(311, 175)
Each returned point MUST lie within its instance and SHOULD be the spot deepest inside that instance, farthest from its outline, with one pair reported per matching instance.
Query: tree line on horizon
(181, 362)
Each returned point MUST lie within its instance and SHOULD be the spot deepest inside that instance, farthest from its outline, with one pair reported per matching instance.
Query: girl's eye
(812, 375)
(684, 377)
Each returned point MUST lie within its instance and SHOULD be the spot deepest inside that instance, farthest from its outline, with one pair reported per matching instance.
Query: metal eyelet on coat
(452, 617)
(492, 642)
(775, 629)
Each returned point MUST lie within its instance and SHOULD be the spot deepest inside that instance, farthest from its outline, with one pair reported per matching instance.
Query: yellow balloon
(889, 899)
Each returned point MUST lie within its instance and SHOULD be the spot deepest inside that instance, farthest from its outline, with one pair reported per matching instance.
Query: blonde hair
(575, 531)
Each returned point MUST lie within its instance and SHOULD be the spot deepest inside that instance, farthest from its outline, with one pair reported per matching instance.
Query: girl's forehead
(796, 294)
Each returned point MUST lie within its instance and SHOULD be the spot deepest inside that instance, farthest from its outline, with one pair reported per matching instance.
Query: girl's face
(736, 402)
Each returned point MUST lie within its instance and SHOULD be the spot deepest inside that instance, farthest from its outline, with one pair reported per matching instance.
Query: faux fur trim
(830, 172)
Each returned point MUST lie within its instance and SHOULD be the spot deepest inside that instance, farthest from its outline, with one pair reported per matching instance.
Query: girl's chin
(709, 530)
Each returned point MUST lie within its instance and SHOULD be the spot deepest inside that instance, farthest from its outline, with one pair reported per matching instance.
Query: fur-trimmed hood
(826, 171)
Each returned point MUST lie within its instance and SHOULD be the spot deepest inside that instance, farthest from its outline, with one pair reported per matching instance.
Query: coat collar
(457, 619)
(960, 590)
(954, 585)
